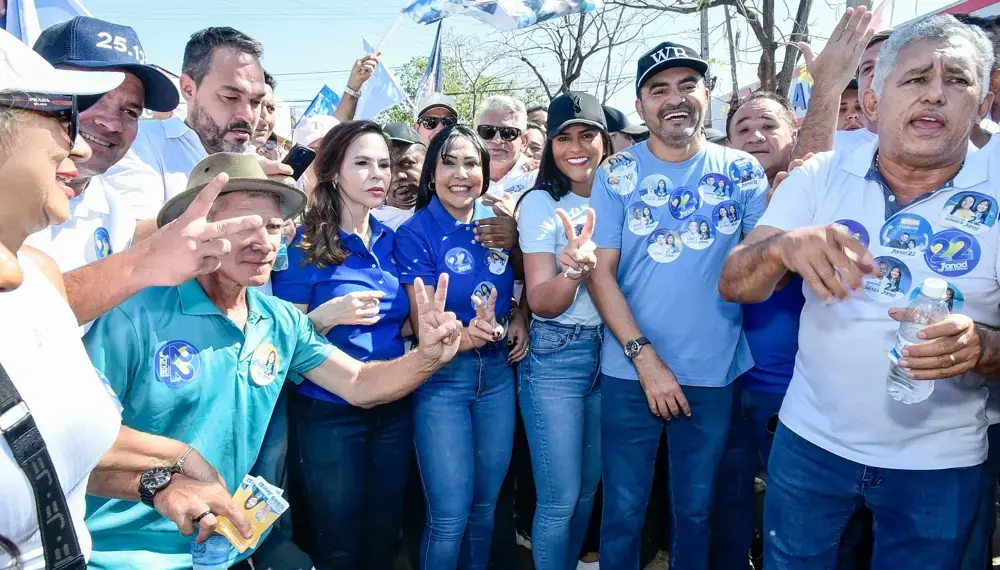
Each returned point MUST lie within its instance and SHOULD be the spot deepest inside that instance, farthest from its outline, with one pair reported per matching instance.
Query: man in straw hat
(204, 362)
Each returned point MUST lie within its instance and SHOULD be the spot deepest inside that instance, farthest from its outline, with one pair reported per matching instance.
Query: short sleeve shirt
(184, 370)
(837, 398)
(675, 223)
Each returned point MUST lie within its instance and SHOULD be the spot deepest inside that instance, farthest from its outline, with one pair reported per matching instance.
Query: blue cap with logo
(665, 56)
(90, 43)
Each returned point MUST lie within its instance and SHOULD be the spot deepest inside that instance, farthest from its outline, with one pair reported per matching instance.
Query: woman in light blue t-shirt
(559, 392)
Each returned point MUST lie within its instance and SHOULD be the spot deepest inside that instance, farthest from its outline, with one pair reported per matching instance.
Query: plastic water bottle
(213, 554)
(928, 308)
(281, 262)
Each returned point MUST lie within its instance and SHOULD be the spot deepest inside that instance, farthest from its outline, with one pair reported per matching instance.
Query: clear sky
(311, 42)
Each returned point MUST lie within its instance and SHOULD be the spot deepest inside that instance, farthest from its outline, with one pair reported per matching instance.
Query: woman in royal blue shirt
(464, 415)
(352, 463)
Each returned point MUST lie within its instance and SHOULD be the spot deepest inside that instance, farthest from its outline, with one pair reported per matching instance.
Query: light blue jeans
(559, 392)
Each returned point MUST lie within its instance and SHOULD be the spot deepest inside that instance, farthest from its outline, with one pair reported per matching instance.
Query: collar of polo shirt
(445, 220)
(974, 171)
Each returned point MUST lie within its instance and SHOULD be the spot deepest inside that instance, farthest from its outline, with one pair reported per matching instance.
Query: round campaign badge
(459, 260)
(264, 364)
(496, 260)
(482, 292)
(624, 183)
(742, 173)
(102, 243)
(656, 190)
(891, 281)
(954, 297)
(715, 188)
(906, 235)
(952, 253)
(620, 163)
(698, 233)
(858, 231)
(177, 363)
(683, 202)
(971, 212)
(642, 218)
(727, 217)
(664, 246)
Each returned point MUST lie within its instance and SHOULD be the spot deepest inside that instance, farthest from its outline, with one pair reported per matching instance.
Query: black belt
(62, 551)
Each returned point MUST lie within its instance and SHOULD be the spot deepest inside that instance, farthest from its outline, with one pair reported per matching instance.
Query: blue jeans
(560, 396)
(463, 425)
(977, 554)
(353, 464)
(922, 519)
(630, 434)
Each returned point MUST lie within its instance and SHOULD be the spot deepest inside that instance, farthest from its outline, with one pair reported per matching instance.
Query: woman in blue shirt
(463, 417)
(353, 463)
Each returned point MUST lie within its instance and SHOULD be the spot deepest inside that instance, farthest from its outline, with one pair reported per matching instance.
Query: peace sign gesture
(483, 328)
(438, 330)
(577, 258)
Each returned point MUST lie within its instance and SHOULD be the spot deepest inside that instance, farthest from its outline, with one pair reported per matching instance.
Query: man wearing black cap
(672, 346)
(407, 153)
(623, 132)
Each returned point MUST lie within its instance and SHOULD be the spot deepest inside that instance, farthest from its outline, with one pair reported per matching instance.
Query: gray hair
(217, 205)
(508, 104)
(946, 28)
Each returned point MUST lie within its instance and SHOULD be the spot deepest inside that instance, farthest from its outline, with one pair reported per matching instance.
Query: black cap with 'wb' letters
(665, 56)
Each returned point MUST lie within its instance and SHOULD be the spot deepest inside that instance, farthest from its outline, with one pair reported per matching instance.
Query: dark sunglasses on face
(431, 123)
(60, 107)
(506, 133)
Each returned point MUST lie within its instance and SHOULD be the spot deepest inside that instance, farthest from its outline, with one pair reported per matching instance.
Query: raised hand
(362, 71)
(499, 232)
(826, 257)
(354, 308)
(439, 331)
(483, 328)
(577, 258)
(837, 64)
(277, 170)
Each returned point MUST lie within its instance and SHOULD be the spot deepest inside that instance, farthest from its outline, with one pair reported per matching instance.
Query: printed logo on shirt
(857, 231)
(744, 173)
(620, 163)
(971, 212)
(698, 233)
(642, 219)
(952, 253)
(664, 246)
(623, 184)
(459, 260)
(482, 292)
(656, 190)
(954, 297)
(906, 235)
(715, 188)
(102, 243)
(891, 281)
(496, 260)
(177, 363)
(727, 217)
(264, 364)
(684, 202)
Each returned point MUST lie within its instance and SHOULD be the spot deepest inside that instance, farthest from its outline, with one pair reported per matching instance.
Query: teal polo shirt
(184, 370)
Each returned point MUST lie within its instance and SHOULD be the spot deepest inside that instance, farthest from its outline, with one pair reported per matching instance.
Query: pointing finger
(229, 227)
(202, 203)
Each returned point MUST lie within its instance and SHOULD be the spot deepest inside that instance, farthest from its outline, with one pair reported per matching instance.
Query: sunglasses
(507, 134)
(60, 107)
(431, 123)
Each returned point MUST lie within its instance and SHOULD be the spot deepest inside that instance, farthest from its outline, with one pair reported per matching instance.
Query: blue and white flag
(502, 14)
(26, 19)
(433, 79)
(324, 103)
(382, 90)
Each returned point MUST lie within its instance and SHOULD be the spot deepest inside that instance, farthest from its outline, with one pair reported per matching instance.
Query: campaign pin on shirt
(496, 260)
(699, 234)
(971, 212)
(906, 235)
(664, 246)
(891, 282)
(177, 363)
(264, 364)
(622, 172)
(656, 190)
(102, 243)
(684, 202)
(856, 229)
(953, 253)
(715, 188)
(483, 291)
(459, 260)
(643, 218)
(727, 217)
(743, 173)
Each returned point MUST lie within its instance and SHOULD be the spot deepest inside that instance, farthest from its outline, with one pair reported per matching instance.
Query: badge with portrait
(262, 504)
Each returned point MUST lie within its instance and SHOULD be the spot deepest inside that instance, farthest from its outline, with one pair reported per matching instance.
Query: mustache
(240, 125)
(666, 110)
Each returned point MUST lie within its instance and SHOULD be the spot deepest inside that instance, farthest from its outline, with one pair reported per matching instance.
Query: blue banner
(325, 103)
(501, 14)
(433, 79)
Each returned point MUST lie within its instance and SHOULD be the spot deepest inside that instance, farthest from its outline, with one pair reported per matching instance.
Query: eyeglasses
(61, 107)
(506, 133)
(431, 123)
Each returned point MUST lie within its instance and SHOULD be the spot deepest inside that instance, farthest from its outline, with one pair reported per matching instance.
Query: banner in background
(502, 14)
(433, 78)
(26, 19)
(324, 103)
(380, 92)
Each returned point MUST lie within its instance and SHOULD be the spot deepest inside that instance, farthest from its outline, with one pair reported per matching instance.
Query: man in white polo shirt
(843, 441)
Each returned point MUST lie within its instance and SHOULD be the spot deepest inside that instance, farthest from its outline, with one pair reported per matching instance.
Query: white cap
(428, 102)
(312, 129)
(934, 288)
(24, 71)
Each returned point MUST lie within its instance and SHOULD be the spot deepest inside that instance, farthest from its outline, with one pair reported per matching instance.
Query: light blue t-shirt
(184, 370)
(674, 224)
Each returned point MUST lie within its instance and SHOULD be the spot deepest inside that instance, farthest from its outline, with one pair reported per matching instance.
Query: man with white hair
(503, 123)
(843, 441)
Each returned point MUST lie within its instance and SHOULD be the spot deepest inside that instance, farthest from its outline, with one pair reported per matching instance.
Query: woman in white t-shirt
(559, 392)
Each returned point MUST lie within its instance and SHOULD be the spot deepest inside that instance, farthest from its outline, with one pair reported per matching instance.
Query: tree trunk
(732, 56)
(800, 33)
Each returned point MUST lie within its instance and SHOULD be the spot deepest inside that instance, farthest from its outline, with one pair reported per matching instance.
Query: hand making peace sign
(438, 330)
(484, 328)
(577, 258)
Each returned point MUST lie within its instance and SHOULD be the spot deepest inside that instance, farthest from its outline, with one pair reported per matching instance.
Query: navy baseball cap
(90, 43)
(665, 56)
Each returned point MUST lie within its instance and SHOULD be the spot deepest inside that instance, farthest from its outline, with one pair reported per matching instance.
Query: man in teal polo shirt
(204, 362)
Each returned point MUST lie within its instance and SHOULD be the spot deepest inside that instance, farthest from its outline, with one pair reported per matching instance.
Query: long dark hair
(553, 180)
(440, 144)
(321, 220)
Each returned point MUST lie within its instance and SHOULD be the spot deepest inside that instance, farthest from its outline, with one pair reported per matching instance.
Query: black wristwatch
(152, 482)
(633, 347)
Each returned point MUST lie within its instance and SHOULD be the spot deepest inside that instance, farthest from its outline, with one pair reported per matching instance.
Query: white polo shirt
(849, 140)
(157, 166)
(837, 398)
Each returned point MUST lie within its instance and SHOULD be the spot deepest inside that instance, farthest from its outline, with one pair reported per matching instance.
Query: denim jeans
(560, 397)
(463, 425)
(630, 434)
(977, 554)
(922, 519)
(353, 464)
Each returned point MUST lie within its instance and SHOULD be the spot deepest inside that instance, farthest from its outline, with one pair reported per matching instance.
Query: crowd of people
(552, 327)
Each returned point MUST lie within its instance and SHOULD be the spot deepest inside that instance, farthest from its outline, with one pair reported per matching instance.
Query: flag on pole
(433, 79)
(26, 19)
(324, 103)
(380, 92)
(502, 14)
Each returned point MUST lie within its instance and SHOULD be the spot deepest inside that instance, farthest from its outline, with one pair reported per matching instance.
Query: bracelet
(179, 466)
(351, 92)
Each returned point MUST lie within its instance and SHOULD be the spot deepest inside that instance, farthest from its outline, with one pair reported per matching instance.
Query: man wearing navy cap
(672, 346)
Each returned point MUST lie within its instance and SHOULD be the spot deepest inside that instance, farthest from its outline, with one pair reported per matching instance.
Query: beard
(213, 136)
(680, 136)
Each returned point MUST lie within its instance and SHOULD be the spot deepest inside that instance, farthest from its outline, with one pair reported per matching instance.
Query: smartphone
(299, 158)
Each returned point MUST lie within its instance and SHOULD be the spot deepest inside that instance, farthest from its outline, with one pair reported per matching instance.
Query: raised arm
(550, 292)
(360, 73)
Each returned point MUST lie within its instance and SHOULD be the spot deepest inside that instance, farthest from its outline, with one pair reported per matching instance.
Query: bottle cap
(934, 288)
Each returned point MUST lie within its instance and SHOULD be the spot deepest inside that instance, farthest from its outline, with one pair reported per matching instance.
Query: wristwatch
(633, 347)
(152, 482)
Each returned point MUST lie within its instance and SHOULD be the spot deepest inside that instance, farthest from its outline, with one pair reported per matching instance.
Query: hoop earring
(430, 186)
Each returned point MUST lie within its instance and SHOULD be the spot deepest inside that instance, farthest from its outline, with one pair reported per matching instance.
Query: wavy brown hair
(321, 220)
